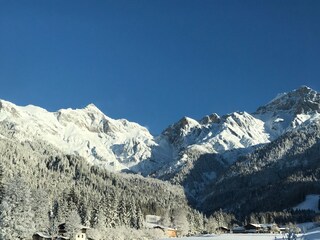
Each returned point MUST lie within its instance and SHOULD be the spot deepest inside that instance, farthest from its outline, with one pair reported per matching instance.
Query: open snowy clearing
(314, 235)
(311, 203)
(235, 237)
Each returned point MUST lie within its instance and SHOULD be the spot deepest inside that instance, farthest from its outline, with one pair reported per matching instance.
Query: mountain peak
(92, 108)
(299, 101)
(304, 88)
(183, 122)
(212, 118)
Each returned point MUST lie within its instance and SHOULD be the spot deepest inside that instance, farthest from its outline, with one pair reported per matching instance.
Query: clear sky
(155, 61)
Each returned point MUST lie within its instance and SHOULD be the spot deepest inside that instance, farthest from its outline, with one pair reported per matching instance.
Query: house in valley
(82, 234)
(154, 222)
(222, 229)
(262, 228)
(62, 234)
(253, 228)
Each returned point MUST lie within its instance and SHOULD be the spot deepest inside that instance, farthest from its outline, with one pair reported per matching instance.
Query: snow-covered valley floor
(312, 235)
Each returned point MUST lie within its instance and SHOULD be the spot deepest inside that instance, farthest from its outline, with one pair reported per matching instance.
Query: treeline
(283, 217)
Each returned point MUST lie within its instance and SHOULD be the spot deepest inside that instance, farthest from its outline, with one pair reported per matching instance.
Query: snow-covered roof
(43, 235)
(224, 227)
(62, 238)
(153, 225)
(255, 225)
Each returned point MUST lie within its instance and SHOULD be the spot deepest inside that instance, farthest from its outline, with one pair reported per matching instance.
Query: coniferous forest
(41, 189)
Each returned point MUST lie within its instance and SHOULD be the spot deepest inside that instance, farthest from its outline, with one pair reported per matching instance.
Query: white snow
(239, 236)
(120, 144)
(115, 144)
(314, 234)
(311, 203)
(278, 120)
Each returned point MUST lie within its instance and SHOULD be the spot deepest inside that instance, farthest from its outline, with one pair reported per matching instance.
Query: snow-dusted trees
(41, 209)
(16, 211)
(180, 220)
(61, 188)
(73, 222)
(1, 183)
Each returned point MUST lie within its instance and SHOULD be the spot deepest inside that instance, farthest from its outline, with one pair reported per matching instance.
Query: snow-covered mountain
(240, 129)
(273, 177)
(228, 160)
(123, 145)
(115, 144)
(236, 134)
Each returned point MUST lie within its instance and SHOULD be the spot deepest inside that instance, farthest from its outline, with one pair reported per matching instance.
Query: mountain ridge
(123, 145)
(221, 162)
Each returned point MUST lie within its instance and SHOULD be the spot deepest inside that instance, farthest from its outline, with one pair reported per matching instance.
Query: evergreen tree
(41, 209)
(1, 183)
(16, 211)
(180, 221)
(73, 223)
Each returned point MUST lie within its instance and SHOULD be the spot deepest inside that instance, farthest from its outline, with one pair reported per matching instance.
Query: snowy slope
(236, 130)
(246, 236)
(115, 144)
(239, 131)
(288, 110)
(120, 144)
(311, 203)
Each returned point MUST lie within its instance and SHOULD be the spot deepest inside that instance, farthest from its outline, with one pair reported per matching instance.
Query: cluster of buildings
(62, 234)
(151, 222)
(253, 228)
(154, 222)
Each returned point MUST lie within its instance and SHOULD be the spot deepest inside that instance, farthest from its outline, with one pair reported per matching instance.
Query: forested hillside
(274, 177)
(51, 188)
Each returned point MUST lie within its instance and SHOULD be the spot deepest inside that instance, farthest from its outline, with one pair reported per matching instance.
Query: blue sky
(155, 61)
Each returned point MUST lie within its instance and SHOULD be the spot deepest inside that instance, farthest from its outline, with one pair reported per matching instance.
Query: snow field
(311, 203)
(314, 235)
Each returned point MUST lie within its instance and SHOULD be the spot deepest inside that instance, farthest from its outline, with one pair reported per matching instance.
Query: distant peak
(183, 124)
(304, 90)
(92, 107)
(187, 121)
(301, 100)
(212, 118)
(304, 87)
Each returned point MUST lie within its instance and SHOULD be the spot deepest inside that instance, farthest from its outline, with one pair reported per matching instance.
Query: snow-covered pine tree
(165, 220)
(140, 218)
(180, 221)
(132, 213)
(16, 219)
(123, 211)
(1, 183)
(41, 209)
(73, 223)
